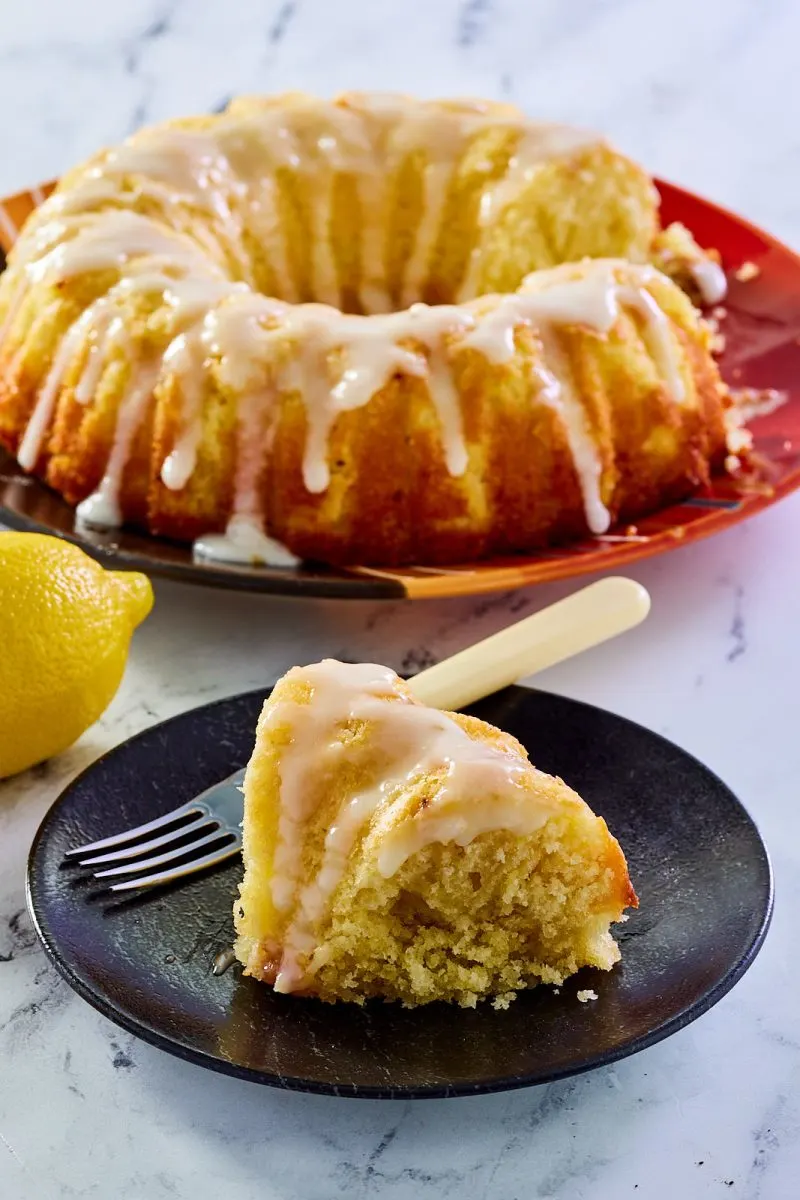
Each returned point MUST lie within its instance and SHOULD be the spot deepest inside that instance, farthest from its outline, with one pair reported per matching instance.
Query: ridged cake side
(132, 362)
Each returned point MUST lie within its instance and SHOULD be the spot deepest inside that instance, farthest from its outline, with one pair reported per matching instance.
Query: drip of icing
(547, 299)
(39, 423)
(397, 132)
(104, 331)
(658, 337)
(372, 352)
(93, 190)
(373, 355)
(110, 242)
(108, 335)
(183, 356)
(279, 150)
(192, 305)
(229, 171)
(558, 392)
(570, 303)
(244, 541)
(237, 333)
(102, 510)
(477, 787)
(710, 279)
(447, 403)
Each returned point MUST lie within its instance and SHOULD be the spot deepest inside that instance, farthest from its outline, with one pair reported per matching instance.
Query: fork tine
(198, 822)
(119, 839)
(157, 860)
(199, 864)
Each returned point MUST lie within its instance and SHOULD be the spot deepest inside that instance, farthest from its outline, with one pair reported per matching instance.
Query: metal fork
(214, 815)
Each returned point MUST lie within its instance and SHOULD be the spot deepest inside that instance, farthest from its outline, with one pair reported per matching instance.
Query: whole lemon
(65, 628)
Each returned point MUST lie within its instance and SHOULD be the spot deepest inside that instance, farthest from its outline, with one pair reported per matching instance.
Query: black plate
(695, 857)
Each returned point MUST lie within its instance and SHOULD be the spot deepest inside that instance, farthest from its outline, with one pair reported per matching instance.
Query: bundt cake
(340, 331)
(394, 850)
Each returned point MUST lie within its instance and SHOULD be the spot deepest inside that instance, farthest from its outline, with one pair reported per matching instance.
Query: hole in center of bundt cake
(415, 251)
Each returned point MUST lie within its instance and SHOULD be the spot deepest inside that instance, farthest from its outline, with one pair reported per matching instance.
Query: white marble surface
(708, 94)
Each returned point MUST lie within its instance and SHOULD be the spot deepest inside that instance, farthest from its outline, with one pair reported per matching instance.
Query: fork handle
(584, 619)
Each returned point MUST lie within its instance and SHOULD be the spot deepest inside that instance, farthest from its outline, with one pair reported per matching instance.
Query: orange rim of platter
(761, 329)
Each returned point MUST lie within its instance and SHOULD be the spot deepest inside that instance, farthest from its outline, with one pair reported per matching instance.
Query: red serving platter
(762, 350)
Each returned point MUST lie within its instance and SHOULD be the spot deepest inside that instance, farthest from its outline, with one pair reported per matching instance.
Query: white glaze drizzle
(244, 541)
(108, 338)
(371, 350)
(105, 333)
(36, 429)
(477, 787)
(101, 510)
(337, 362)
(658, 337)
(192, 303)
(710, 279)
(177, 164)
(110, 242)
(558, 392)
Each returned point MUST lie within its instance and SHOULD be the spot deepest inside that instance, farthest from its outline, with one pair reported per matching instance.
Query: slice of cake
(394, 850)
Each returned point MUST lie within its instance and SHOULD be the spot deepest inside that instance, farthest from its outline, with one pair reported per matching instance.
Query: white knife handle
(582, 620)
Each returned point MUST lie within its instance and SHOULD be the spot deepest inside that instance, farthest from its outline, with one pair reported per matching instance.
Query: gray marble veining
(707, 94)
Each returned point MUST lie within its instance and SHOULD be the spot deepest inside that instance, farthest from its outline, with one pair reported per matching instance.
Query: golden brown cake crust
(392, 495)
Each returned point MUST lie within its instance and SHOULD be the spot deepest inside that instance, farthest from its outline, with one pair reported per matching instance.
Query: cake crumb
(748, 270)
(503, 1001)
(719, 312)
(586, 995)
(718, 343)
